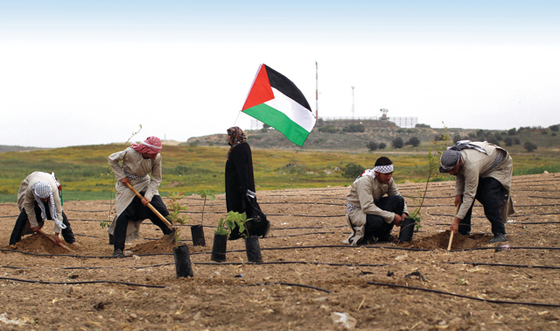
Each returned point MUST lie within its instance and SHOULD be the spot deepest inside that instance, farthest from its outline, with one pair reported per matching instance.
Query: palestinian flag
(276, 101)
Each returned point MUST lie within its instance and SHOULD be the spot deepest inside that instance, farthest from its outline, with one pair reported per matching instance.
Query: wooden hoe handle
(150, 206)
(54, 241)
(451, 237)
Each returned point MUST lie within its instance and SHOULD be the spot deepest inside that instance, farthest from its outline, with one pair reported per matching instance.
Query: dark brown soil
(308, 278)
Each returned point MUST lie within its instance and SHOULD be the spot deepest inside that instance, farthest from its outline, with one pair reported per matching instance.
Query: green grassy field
(85, 173)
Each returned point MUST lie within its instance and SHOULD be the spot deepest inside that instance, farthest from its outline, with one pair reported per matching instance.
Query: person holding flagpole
(241, 195)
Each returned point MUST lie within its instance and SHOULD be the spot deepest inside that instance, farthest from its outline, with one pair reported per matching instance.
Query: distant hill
(339, 137)
(6, 148)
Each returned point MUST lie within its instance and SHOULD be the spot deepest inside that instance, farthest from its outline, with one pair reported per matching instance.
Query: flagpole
(316, 90)
(235, 123)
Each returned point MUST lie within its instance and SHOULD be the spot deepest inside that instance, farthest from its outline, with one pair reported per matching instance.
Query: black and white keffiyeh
(450, 158)
(42, 190)
(382, 169)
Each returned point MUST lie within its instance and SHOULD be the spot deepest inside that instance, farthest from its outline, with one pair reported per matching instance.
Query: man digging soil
(483, 172)
(133, 166)
(39, 200)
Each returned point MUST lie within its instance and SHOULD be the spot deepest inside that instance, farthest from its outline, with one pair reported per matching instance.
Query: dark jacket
(239, 177)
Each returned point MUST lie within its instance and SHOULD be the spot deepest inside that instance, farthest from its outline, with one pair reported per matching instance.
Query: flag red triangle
(261, 91)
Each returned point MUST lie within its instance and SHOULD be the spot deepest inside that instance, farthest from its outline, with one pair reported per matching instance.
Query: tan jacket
(479, 165)
(26, 198)
(133, 163)
(363, 194)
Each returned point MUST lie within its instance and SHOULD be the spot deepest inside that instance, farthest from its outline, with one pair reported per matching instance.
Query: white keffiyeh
(42, 190)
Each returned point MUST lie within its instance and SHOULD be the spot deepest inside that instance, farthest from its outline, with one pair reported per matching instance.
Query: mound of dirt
(441, 241)
(154, 246)
(37, 243)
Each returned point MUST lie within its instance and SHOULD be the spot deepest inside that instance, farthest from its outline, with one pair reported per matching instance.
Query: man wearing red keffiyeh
(134, 165)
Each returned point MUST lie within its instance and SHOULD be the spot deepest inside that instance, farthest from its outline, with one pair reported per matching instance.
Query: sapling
(175, 207)
(234, 219)
(177, 235)
(433, 165)
(104, 224)
(221, 230)
(206, 194)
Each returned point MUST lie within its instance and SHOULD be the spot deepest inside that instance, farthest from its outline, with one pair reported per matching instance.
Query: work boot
(118, 253)
(498, 238)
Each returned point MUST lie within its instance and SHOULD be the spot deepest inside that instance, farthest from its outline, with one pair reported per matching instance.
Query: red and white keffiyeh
(152, 145)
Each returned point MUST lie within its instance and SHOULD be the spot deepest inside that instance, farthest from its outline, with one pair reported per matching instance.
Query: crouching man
(375, 206)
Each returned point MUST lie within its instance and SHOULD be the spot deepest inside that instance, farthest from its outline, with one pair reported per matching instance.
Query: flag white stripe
(295, 112)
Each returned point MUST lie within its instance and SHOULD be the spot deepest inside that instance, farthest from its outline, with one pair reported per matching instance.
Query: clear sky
(90, 72)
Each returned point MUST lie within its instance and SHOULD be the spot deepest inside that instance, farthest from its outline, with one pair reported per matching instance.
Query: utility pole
(352, 102)
(316, 90)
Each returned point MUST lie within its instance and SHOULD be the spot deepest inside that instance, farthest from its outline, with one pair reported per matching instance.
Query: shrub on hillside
(554, 128)
(372, 145)
(512, 132)
(492, 139)
(397, 143)
(382, 145)
(508, 141)
(352, 170)
(530, 146)
(354, 128)
(328, 128)
(414, 141)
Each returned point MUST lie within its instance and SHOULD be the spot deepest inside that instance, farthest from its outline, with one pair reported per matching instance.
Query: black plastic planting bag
(253, 249)
(197, 233)
(407, 230)
(219, 248)
(183, 265)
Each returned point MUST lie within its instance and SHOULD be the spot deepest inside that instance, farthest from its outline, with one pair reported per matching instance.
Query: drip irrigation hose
(512, 216)
(466, 296)
(294, 247)
(83, 282)
(67, 255)
(530, 266)
(474, 264)
(291, 284)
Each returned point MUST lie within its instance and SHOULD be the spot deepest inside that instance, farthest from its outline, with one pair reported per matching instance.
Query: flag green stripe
(278, 120)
